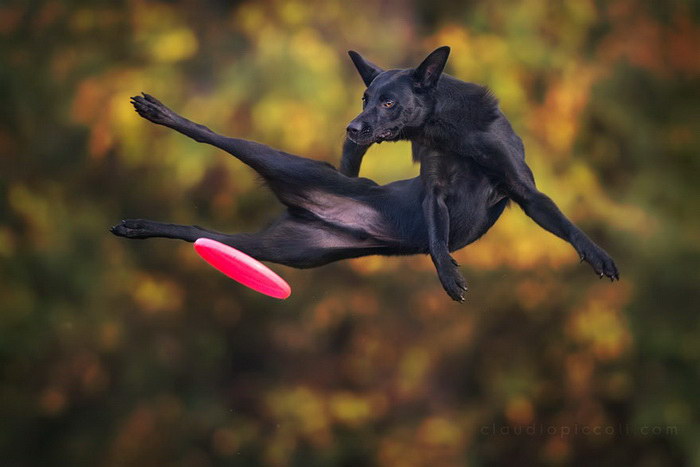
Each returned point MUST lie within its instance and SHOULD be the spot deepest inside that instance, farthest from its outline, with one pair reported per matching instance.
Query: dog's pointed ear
(368, 70)
(428, 72)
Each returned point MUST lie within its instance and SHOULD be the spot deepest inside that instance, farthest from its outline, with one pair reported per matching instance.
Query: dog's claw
(600, 261)
(453, 283)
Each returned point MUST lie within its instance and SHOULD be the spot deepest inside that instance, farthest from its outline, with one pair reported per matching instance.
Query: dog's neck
(448, 119)
(432, 132)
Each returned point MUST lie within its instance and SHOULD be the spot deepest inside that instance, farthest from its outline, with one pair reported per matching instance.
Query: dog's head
(395, 100)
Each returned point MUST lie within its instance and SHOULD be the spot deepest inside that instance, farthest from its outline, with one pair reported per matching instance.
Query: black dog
(457, 132)
(329, 216)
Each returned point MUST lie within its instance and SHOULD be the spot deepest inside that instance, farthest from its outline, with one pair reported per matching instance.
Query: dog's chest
(449, 173)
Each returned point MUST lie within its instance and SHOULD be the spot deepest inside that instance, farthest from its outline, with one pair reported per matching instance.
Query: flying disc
(242, 268)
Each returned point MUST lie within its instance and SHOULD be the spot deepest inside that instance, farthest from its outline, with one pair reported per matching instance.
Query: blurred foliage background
(116, 352)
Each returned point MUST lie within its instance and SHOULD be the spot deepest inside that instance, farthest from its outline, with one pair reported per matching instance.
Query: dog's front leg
(508, 163)
(438, 221)
(352, 158)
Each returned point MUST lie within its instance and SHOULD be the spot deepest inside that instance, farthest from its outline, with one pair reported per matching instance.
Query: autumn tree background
(116, 352)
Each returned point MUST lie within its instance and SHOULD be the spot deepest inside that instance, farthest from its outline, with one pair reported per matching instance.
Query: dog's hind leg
(291, 177)
(272, 164)
(342, 203)
(292, 241)
(144, 228)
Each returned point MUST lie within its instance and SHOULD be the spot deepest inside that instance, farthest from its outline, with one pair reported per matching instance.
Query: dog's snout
(354, 128)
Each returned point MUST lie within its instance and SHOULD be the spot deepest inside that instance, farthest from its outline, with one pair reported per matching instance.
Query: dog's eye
(388, 104)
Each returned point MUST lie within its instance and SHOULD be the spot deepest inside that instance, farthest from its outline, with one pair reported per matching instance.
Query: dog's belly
(349, 214)
(474, 205)
(392, 215)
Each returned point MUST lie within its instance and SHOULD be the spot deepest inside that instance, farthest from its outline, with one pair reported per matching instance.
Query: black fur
(458, 133)
(329, 216)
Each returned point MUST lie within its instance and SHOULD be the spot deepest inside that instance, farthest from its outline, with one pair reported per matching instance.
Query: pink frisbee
(242, 268)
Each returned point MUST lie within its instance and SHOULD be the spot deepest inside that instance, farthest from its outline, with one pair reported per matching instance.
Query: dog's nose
(354, 128)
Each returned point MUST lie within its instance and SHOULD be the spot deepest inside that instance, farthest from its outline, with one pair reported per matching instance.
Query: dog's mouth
(389, 134)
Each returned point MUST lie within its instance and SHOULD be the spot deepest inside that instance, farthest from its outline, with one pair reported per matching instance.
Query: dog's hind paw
(152, 109)
(132, 228)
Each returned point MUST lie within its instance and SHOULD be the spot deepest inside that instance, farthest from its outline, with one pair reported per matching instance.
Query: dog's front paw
(132, 228)
(600, 261)
(152, 109)
(453, 282)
